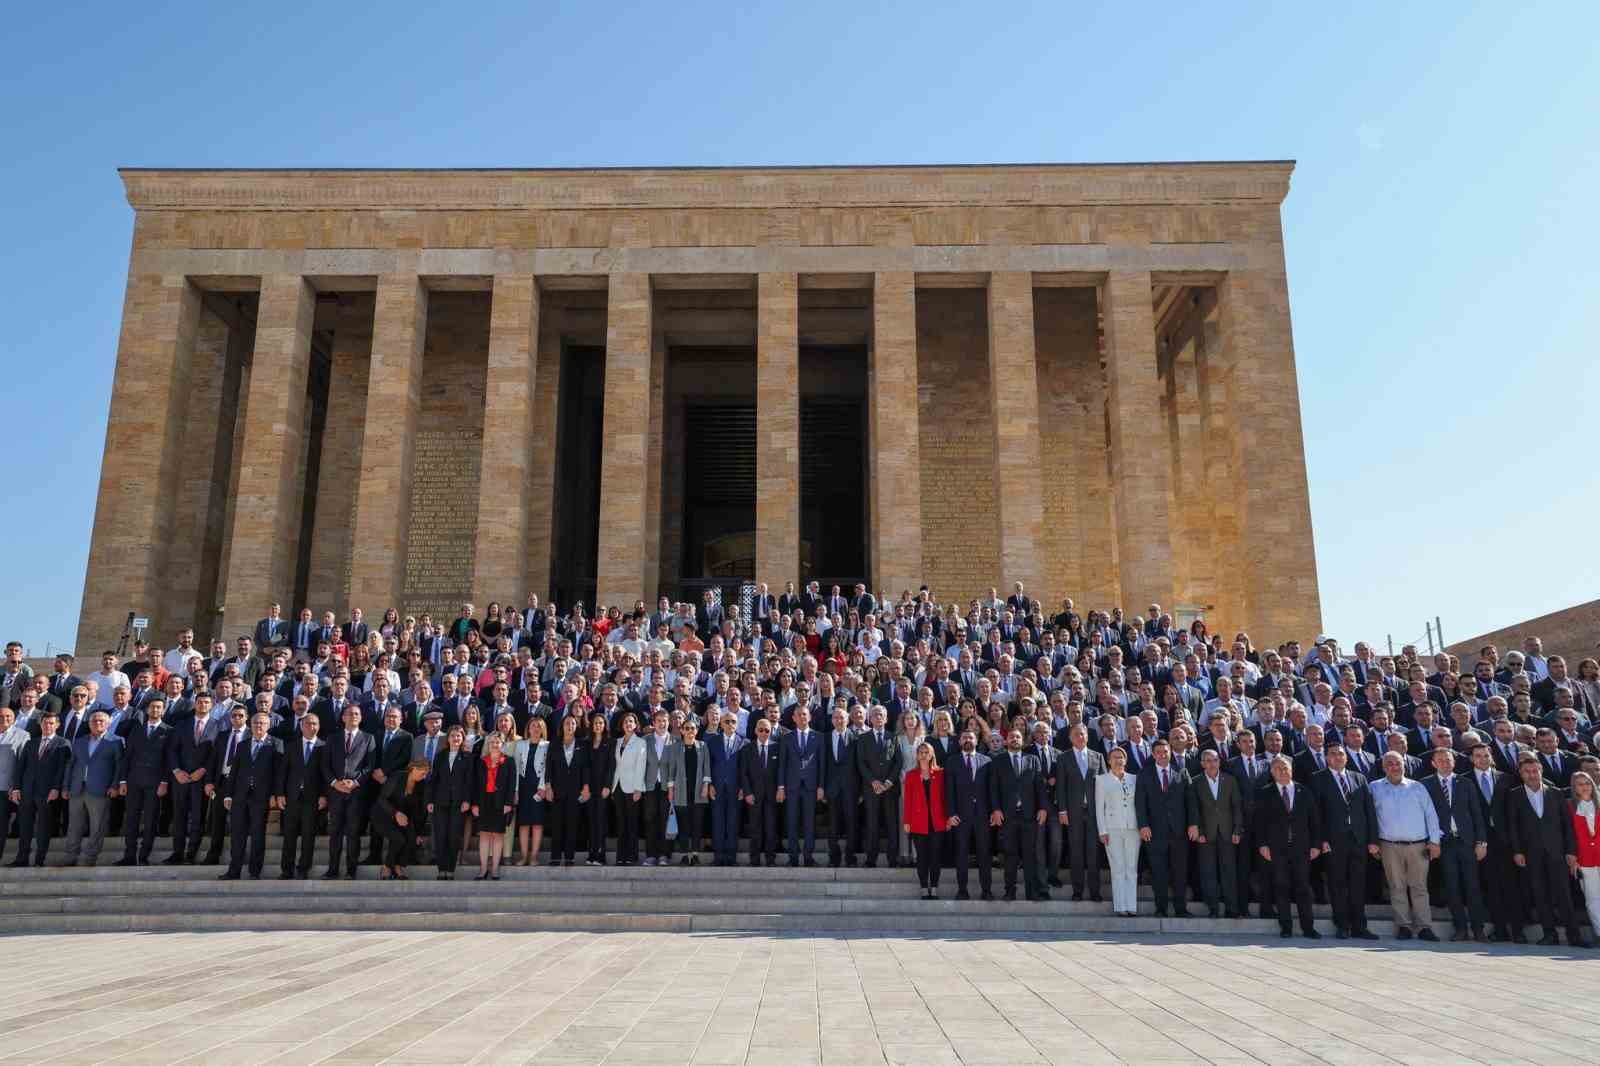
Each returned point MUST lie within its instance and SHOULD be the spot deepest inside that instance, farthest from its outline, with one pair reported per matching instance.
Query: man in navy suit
(146, 769)
(800, 784)
(877, 758)
(252, 785)
(192, 753)
(92, 778)
(1162, 800)
(1463, 842)
(966, 788)
(301, 793)
(272, 632)
(1018, 805)
(722, 748)
(42, 776)
(353, 755)
(1349, 838)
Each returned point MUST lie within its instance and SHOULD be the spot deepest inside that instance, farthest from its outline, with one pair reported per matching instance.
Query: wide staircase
(107, 898)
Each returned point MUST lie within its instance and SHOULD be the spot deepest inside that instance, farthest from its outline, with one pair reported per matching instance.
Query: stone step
(158, 871)
(1005, 921)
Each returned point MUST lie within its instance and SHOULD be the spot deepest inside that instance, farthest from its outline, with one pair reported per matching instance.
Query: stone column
(1277, 556)
(1191, 494)
(893, 418)
(383, 494)
(1014, 402)
(139, 471)
(1219, 432)
(266, 513)
(503, 485)
(652, 467)
(778, 429)
(625, 425)
(339, 470)
(1141, 463)
(542, 460)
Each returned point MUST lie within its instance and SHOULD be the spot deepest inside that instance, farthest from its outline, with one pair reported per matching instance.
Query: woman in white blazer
(1119, 831)
(627, 786)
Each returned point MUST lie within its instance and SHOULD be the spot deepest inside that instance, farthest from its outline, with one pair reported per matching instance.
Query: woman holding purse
(688, 782)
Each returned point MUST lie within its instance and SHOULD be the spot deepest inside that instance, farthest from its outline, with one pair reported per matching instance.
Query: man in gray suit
(92, 777)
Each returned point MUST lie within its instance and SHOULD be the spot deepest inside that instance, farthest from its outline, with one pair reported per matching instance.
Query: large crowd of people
(1000, 740)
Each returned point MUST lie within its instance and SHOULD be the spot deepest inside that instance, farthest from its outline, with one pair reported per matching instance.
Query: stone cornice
(692, 188)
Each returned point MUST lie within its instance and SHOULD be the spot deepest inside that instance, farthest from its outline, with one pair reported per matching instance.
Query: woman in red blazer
(1586, 829)
(926, 820)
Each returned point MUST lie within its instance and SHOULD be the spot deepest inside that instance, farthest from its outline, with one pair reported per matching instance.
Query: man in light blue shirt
(1408, 839)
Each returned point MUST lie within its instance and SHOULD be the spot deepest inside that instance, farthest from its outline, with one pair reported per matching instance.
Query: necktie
(1286, 803)
(307, 755)
(1484, 784)
(233, 743)
(1344, 787)
(199, 730)
(879, 736)
(838, 748)
(971, 774)
(1016, 761)
(388, 738)
(349, 742)
(428, 752)
(1163, 779)
(255, 749)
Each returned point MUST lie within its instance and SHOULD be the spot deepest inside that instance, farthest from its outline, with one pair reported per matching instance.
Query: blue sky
(1441, 228)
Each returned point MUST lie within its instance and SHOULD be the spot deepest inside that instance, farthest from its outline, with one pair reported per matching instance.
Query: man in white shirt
(107, 678)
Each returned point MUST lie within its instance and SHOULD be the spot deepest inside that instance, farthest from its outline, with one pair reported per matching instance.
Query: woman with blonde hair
(925, 820)
(1586, 830)
(530, 754)
(1118, 821)
(909, 732)
(494, 798)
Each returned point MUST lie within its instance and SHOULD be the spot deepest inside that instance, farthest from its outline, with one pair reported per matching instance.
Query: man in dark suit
(193, 749)
(1076, 771)
(1504, 749)
(1216, 812)
(272, 632)
(840, 790)
(42, 777)
(350, 763)
(758, 782)
(1544, 845)
(877, 756)
(252, 785)
(1497, 873)
(1252, 773)
(1162, 802)
(146, 769)
(355, 631)
(723, 749)
(1018, 806)
(800, 785)
(966, 790)
(225, 746)
(1556, 765)
(1287, 823)
(1349, 839)
(394, 752)
(301, 793)
(1463, 842)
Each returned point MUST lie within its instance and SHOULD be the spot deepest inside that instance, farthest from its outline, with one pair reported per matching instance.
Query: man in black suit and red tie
(1288, 832)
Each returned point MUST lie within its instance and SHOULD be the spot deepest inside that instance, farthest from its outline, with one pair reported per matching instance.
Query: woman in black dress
(398, 816)
(566, 782)
(494, 798)
(602, 765)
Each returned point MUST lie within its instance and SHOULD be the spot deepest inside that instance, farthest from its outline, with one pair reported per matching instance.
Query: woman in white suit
(627, 785)
(1119, 831)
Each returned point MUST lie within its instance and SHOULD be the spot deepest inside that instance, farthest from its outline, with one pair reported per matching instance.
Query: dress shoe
(1010, 897)
(1477, 933)
(1267, 912)
(793, 863)
(1285, 934)
(1055, 882)
(228, 875)
(1403, 933)
(1311, 934)
(1213, 912)
(1077, 897)
(849, 860)
(962, 894)
(870, 864)
(125, 862)
(1458, 935)
(1426, 933)
(1161, 912)
(1094, 897)
(255, 877)
(371, 858)
(350, 875)
(18, 863)
(331, 875)
(1364, 934)
(1183, 912)
(1234, 915)
(1549, 940)
(1519, 938)
(286, 876)
(1042, 897)
(1341, 933)
(810, 861)
(987, 897)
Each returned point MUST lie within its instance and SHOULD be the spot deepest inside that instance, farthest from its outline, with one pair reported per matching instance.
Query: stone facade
(1055, 361)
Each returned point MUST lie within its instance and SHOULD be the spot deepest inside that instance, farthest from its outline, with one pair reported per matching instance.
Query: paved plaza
(664, 999)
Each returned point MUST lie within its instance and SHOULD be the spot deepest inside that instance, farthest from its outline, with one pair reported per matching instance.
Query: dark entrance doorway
(833, 514)
(719, 490)
(576, 542)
